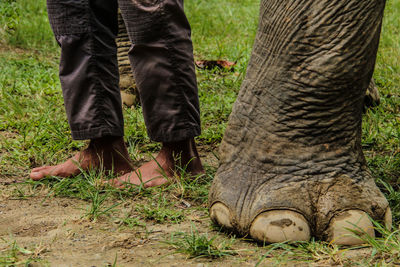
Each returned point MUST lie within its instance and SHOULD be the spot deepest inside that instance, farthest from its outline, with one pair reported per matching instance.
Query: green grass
(34, 129)
(386, 248)
(319, 253)
(221, 30)
(160, 213)
(129, 221)
(198, 245)
(15, 255)
(32, 120)
(24, 24)
(102, 200)
(381, 125)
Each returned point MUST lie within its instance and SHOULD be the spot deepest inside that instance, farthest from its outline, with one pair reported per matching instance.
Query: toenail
(277, 226)
(347, 227)
(220, 214)
(388, 218)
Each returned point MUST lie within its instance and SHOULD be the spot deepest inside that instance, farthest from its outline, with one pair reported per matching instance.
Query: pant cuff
(97, 132)
(175, 135)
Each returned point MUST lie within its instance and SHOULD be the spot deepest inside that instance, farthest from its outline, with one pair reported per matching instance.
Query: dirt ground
(52, 230)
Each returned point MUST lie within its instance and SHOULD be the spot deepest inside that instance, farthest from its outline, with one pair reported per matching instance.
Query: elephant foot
(336, 210)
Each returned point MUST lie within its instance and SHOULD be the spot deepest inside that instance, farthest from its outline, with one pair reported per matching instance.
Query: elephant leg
(291, 160)
(127, 85)
(372, 97)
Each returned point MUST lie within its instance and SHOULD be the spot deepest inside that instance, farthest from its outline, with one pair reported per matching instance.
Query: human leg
(85, 31)
(162, 60)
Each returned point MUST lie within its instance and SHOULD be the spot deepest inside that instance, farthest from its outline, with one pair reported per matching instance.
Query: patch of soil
(53, 229)
(54, 226)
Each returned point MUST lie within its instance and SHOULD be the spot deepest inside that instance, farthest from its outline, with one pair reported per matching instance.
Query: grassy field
(34, 131)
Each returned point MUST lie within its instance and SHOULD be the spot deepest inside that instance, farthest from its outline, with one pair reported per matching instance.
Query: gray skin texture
(293, 140)
(372, 97)
(129, 92)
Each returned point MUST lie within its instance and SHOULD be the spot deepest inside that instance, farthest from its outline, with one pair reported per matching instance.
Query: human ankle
(106, 141)
(183, 154)
(111, 152)
(108, 145)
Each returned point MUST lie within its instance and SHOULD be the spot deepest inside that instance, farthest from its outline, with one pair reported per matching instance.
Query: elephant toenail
(348, 227)
(221, 215)
(280, 225)
(388, 218)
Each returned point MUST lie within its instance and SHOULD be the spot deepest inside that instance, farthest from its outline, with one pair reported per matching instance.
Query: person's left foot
(158, 171)
(107, 153)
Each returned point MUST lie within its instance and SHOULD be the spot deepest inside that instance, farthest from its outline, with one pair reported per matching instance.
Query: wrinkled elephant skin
(291, 160)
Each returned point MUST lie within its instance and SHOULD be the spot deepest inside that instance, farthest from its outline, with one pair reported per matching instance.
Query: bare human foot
(106, 153)
(171, 157)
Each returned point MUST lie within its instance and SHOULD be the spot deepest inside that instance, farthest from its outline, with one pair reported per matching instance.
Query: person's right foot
(171, 158)
(106, 153)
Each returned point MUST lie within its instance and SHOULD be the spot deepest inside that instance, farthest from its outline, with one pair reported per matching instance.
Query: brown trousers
(161, 57)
